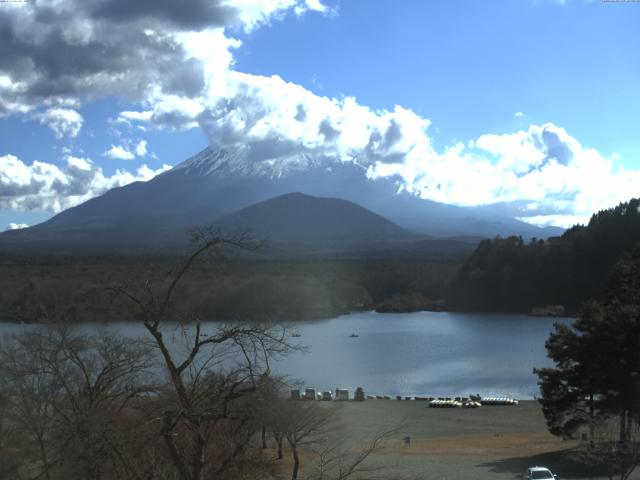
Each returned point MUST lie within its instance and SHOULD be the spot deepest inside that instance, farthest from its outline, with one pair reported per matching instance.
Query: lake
(423, 353)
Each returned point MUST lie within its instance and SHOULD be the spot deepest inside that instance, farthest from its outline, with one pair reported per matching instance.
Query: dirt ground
(491, 442)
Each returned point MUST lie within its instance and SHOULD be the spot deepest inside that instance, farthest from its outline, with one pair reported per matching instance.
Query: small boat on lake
(354, 335)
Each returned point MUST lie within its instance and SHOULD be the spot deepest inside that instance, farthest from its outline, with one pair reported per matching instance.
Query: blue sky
(490, 92)
(470, 66)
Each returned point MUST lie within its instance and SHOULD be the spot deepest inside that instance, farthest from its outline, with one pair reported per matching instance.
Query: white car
(538, 473)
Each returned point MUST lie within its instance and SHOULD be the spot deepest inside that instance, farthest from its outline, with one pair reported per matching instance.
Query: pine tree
(597, 372)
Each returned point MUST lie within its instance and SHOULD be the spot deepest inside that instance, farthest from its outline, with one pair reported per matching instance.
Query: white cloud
(50, 57)
(136, 116)
(119, 152)
(279, 118)
(175, 112)
(129, 151)
(556, 220)
(64, 122)
(15, 226)
(253, 13)
(313, 5)
(51, 188)
(316, 5)
(562, 181)
(141, 148)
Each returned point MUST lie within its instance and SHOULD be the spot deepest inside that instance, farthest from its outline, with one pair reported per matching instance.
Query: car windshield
(540, 474)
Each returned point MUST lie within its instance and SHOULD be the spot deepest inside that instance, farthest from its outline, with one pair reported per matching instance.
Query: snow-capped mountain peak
(244, 162)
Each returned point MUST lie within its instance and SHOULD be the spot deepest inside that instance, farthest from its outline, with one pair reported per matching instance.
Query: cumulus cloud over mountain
(174, 60)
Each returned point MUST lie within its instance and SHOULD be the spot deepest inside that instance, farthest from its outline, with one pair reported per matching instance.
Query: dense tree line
(509, 274)
(257, 289)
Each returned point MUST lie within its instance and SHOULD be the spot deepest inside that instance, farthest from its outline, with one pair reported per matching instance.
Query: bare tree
(315, 429)
(273, 413)
(276, 422)
(62, 392)
(208, 421)
(306, 425)
(336, 461)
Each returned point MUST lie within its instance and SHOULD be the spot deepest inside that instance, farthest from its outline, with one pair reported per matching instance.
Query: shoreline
(6, 321)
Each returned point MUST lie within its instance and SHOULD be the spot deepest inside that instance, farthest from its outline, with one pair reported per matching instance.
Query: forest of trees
(258, 290)
(509, 274)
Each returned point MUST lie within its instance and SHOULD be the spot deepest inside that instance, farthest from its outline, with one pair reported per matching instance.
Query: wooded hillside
(508, 274)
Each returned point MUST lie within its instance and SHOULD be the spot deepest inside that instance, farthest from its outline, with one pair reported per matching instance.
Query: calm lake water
(424, 353)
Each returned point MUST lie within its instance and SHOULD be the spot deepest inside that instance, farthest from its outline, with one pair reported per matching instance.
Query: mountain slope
(216, 183)
(296, 217)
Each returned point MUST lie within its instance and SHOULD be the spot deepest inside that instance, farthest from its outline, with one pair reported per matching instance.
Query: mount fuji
(214, 185)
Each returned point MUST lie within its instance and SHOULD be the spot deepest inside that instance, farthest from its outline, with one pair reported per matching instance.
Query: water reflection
(424, 353)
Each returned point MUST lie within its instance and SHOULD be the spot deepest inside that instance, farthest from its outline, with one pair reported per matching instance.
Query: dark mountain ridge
(303, 218)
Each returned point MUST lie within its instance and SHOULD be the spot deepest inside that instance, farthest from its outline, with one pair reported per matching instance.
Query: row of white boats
(473, 401)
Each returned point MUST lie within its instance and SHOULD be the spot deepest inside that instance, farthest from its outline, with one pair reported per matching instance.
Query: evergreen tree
(597, 372)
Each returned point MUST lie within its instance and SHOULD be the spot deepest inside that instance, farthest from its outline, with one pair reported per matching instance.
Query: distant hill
(297, 225)
(296, 217)
(509, 274)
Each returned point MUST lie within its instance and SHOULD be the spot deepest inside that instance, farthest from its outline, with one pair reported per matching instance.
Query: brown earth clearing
(491, 442)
